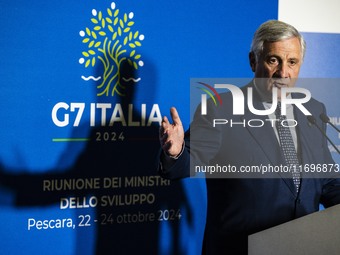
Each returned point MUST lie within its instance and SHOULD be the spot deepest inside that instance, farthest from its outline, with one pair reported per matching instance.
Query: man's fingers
(175, 117)
(164, 126)
(171, 134)
(165, 121)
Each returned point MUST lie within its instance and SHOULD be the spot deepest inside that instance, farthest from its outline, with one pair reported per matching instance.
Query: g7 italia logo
(110, 42)
(111, 51)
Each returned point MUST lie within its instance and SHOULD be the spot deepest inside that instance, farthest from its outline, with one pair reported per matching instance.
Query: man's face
(280, 62)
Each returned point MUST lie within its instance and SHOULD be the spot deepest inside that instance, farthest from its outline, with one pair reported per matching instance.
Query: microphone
(312, 120)
(326, 120)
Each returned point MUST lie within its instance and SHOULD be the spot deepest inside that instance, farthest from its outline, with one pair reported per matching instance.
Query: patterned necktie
(287, 146)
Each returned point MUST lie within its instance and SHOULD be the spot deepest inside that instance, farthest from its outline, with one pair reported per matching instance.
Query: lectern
(315, 234)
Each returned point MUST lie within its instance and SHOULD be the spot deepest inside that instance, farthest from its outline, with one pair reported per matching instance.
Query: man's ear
(252, 61)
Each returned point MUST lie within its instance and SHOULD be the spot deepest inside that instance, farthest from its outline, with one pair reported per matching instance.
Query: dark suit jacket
(241, 206)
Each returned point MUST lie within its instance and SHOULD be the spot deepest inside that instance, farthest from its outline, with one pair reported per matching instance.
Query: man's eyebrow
(296, 59)
(272, 55)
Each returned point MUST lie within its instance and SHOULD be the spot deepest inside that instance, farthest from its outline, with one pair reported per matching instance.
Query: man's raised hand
(171, 136)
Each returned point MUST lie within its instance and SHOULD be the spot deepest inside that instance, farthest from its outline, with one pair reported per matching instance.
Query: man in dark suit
(241, 206)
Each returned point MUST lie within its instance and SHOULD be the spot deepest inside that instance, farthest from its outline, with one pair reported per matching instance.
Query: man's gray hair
(273, 31)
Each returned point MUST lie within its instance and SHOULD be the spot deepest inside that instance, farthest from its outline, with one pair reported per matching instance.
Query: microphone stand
(326, 120)
(312, 120)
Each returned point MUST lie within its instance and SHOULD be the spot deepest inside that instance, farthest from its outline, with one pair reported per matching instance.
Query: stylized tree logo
(110, 42)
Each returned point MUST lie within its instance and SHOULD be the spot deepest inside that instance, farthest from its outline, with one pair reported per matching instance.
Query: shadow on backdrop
(126, 160)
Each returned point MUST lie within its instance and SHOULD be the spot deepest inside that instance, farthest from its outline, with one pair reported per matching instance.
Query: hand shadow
(128, 153)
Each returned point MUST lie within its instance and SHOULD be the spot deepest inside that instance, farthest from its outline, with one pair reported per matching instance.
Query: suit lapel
(264, 136)
(303, 132)
(267, 140)
(305, 143)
